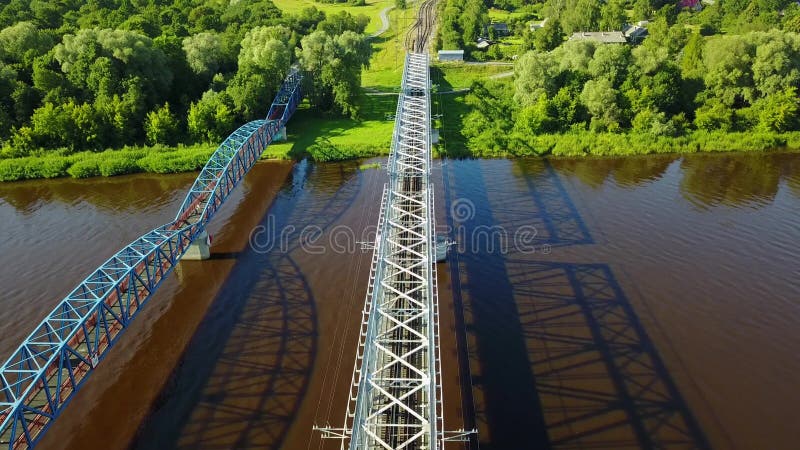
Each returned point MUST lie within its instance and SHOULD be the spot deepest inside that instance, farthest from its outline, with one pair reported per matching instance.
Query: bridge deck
(395, 397)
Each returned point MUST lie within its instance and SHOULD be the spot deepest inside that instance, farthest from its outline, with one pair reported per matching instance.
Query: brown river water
(649, 302)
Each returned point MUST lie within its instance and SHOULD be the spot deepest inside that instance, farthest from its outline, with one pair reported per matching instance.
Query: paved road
(501, 75)
(488, 63)
(384, 22)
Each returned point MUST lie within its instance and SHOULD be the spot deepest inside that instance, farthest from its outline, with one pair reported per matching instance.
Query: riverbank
(580, 144)
(368, 141)
(156, 159)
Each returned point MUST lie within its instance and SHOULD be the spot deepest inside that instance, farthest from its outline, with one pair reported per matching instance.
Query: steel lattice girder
(43, 374)
(395, 397)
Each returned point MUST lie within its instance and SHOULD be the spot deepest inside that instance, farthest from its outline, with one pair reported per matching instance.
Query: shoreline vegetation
(163, 160)
(666, 95)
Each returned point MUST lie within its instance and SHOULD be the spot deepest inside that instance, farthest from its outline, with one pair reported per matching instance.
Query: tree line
(107, 73)
(684, 78)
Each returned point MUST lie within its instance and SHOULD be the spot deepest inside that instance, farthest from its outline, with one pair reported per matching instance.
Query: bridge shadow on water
(245, 372)
(557, 355)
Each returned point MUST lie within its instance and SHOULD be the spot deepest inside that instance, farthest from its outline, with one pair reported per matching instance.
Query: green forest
(107, 87)
(724, 78)
(92, 75)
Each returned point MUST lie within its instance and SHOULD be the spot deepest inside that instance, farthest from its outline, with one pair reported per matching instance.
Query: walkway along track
(44, 373)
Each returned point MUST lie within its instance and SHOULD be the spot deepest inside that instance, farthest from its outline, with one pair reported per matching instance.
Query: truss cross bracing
(395, 397)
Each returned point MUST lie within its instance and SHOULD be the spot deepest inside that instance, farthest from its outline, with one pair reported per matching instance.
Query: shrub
(13, 169)
(54, 167)
(118, 165)
(84, 169)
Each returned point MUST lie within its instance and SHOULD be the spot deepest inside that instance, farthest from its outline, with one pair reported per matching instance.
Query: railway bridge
(395, 399)
(45, 372)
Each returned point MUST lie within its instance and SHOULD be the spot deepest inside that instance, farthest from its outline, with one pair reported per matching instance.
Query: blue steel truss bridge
(56, 359)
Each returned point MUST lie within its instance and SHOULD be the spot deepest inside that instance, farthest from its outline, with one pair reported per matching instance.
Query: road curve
(384, 22)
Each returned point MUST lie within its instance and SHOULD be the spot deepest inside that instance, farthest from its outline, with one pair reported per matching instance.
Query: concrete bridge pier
(200, 248)
(281, 136)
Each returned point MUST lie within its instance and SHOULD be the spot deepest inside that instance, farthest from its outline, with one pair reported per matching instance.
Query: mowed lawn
(371, 10)
(326, 137)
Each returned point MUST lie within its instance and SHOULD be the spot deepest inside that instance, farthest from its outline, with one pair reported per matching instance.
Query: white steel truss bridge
(395, 399)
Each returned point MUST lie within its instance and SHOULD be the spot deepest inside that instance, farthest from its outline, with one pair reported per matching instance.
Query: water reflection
(108, 194)
(547, 207)
(601, 382)
(246, 371)
(557, 355)
(630, 171)
(731, 180)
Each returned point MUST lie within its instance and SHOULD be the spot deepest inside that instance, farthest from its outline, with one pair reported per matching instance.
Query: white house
(451, 55)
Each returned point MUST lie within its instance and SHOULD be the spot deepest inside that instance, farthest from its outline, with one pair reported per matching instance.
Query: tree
(23, 42)
(540, 117)
(489, 124)
(307, 19)
(653, 122)
(714, 115)
(549, 37)
(642, 9)
(473, 20)
(612, 62)
(264, 60)
(94, 59)
(779, 111)
(575, 55)
(600, 99)
(450, 37)
(728, 62)
(612, 15)
(692, 59)
(400, 4)
(776, 63)
(334, 67)
(161, 126)
(662, 36)
(336, 24)
(203, 52)
(581, 15)
(211, 118)
(535, 74)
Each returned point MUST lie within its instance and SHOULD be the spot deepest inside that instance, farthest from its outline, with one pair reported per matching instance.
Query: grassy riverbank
(157, 159)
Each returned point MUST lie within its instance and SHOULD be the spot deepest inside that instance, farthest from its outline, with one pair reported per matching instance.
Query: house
(634, 33)
(603, 37)
(500, 28)
(483, 43)
(690, 4)
(451, 55)
(538, 25)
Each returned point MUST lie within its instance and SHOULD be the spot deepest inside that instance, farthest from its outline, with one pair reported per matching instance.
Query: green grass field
(388, 52)
(500, 15)
(451, 76)
(372, 9)
(327, 138)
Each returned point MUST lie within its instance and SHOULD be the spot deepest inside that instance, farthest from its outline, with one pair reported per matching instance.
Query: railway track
(420, 33)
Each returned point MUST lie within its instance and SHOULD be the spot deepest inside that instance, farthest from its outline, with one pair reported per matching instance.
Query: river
(639, 302)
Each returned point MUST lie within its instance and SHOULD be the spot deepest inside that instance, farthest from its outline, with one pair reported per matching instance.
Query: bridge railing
(43, 374)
